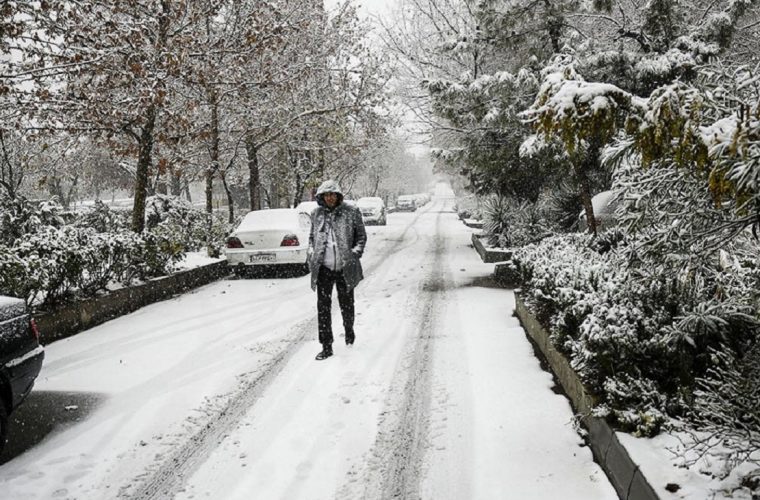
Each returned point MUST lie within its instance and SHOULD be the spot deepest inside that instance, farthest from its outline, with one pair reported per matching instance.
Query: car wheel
(3, 425)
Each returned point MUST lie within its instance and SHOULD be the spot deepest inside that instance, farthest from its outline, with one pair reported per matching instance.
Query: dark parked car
(20, 358)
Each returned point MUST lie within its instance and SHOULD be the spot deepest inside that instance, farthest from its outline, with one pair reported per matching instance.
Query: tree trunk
(230, 204)
(175, 183)
(56, 189)
(588, 160)
(554, 25)
(321, 163)
(213, 149)
(254, 181)
(585, 194)
(298, 190)
(274, 194)
(145, 145)
(72, 192)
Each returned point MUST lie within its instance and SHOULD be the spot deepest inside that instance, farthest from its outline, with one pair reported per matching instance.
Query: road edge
(624, 474)
(79, 316)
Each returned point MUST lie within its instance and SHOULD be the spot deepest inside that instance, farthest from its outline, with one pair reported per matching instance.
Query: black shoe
(350, 337)
(325, 353)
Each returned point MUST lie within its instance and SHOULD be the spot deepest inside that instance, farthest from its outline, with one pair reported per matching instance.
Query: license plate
(262, 257)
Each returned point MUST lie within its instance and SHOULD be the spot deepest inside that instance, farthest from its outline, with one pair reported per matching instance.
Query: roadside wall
(624, 474)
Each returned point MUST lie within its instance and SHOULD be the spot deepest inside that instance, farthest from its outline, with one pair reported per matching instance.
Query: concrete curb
(488, 255)
(74, 318)
(625, 475)
(473, 223)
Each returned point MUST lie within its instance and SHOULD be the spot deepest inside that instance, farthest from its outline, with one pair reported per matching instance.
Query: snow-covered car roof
(307, 206)
(275, 218)
(604, 202)
(11, 307)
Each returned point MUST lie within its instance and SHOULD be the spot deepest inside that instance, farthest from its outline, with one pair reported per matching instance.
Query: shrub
(727, 404)
(19, 216)
(103, 219)
(510, 223)
(180, 227)
(48, 263)
(638, 336)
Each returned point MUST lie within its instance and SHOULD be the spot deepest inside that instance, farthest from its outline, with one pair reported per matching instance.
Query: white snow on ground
(662, 458)
(487, 424)
(493, 407)
(196, 259)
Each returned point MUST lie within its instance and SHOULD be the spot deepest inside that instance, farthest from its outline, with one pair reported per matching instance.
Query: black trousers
(325, 281)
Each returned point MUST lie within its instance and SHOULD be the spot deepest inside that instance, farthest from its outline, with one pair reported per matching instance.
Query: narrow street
(216, 393)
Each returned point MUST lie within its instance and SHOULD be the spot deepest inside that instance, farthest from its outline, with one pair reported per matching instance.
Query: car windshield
(405, 198)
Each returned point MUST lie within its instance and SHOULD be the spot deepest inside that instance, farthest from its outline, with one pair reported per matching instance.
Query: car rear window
(272, 219)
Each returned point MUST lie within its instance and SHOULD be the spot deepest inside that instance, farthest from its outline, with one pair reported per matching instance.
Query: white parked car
(421, 198)
(605, 203)
(264, 238)
(406, 203)
(373, 210)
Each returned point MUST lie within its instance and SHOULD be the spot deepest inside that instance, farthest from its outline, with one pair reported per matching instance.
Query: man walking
(336, 243)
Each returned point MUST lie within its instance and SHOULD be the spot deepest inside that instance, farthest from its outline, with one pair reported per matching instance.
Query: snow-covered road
(216, 393)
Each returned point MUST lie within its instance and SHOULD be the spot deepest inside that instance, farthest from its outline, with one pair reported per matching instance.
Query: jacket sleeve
(360, 234)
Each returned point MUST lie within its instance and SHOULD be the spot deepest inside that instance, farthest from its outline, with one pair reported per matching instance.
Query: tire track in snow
(396, 461)
(168, 477)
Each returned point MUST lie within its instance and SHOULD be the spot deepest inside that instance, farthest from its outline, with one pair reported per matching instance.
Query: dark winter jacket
(349, 233)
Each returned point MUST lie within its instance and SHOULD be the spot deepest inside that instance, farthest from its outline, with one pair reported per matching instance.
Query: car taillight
(234, 242)
(290, 240)
(35, 330)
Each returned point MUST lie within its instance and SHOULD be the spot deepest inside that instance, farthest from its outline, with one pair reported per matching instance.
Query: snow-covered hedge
(509, 222)
(47, 262)
(642, 341)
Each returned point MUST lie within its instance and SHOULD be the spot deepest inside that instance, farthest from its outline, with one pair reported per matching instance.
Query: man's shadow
(43, 413)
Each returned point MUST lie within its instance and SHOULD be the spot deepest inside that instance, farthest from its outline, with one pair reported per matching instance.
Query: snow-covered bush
(638, 337)
(468, 207)
(20, 216)
(103, 219)
(53, 266)
(48, 263)
(184, 228)
(508, 222)
(727, 406)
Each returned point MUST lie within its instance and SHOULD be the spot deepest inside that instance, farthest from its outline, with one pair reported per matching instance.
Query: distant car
(307, 207)
(421, 198)
(605, 203)
(276, 237)
(373, 210)
(406, 203)
(20, 358)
